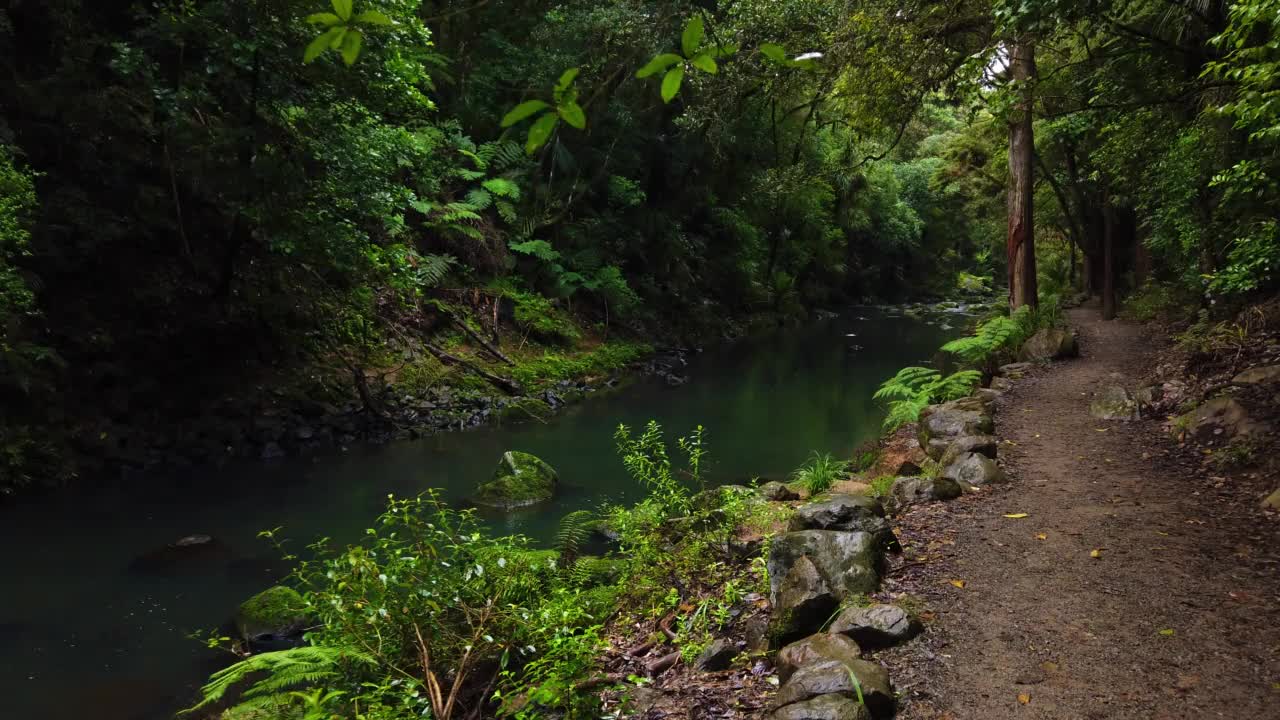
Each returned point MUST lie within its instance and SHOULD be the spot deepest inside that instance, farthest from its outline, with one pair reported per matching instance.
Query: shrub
(820, 473)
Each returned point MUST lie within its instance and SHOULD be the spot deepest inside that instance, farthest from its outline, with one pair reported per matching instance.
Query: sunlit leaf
(324, 19)
(541, 131)
(691, 38)
(522, 111)
(704, 63)
(1016, 516)
(658, 64)
(322, 43)
(774, 52)
(343, 8)
(957, 583)
(573, 114)
(1024, 698)
(671, 83)
(566, 79)
(1096, 553)
(373, 17)
(351, 46)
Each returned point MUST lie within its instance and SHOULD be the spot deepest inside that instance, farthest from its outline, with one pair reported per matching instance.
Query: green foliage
(915, 388)
(605, 358)
(564, 107)
(269, 677)
(881, 486)
(820, 473)
(344, 31)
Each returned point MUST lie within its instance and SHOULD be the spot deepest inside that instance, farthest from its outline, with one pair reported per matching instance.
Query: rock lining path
(1179, 617)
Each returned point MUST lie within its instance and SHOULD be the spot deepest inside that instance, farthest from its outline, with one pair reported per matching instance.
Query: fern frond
(284, 669)
(479, 198)
(455, 211)
(506, 211)
(573, 531)
(502, 188)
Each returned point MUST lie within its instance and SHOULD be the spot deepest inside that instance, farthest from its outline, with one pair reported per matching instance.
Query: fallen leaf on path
(1096, 553)
(1162, 534)
(1186, 682)
(957, 583)
(1102, 429)
(1016, 516)
(1167, 632)
(1042, 536)
(1024, 698)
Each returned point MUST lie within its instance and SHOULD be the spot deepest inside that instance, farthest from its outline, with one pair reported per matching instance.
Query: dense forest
(249, 229)
(202, 207)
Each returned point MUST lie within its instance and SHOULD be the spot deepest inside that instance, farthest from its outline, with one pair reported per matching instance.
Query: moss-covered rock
(520, 480)
(273, 618)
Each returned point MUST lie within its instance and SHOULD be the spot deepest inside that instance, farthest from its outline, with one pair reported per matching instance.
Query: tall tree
(1021, 237)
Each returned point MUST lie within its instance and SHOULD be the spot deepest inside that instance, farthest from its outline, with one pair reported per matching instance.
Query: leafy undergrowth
(430, 615)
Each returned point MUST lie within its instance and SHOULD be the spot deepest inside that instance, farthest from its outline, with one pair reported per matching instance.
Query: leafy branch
(344, 34)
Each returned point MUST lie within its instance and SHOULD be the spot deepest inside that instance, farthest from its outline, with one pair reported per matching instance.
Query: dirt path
(1177, 618)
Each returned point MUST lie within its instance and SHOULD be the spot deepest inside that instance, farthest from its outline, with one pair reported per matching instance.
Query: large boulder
(274, 619)
(1113, 402)
(940, 425)
(1221, 418)
(812, 571)
(972, 469)
(914, 490)
(840, 512)
(835, 677)
(520, 480)
(986, 445)
(1262, 375)
(815, 648)
(877, 626)
(1049, 344)
(823, 707)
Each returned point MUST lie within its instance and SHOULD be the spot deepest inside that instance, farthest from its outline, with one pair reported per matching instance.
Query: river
(86, 633)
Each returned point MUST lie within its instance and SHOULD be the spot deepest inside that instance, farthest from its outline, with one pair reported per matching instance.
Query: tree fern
(285, 670)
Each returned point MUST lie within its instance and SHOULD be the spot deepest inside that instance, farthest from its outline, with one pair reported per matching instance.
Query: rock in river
(273, 619)
(521, 479)
(877, 626)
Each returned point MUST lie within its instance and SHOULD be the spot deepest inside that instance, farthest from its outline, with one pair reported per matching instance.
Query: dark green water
(82, 635)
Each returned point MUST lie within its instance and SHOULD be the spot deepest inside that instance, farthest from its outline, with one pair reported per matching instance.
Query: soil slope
(1176, 617)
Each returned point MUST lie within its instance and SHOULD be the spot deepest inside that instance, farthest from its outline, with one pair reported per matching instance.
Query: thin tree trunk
(1021, 239)
(1108, 263)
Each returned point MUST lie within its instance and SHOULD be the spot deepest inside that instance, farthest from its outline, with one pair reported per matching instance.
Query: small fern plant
(276, 675)
(572, 534)
(990, 338)
(915, 388)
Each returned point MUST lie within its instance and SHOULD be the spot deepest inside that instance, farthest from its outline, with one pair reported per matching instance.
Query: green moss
(553, 366)
(278, 610)
(521, 479)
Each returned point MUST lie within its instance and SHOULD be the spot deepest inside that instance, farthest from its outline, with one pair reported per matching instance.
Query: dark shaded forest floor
(1139, 584)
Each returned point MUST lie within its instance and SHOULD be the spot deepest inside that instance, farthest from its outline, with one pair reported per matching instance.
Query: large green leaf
(703, 62)
(373, 17)
(566, 79)
(692, 36)
(658, 64)
(322, 43)
(774, 52)
(671, 83)
(573, 114)
(541, 131)
(343, 8)
(324, 19)
(522, 111)
(351, 46)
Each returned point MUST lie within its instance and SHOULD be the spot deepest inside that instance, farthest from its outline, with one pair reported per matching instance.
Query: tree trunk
(1021, 240)
(1108, 264)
